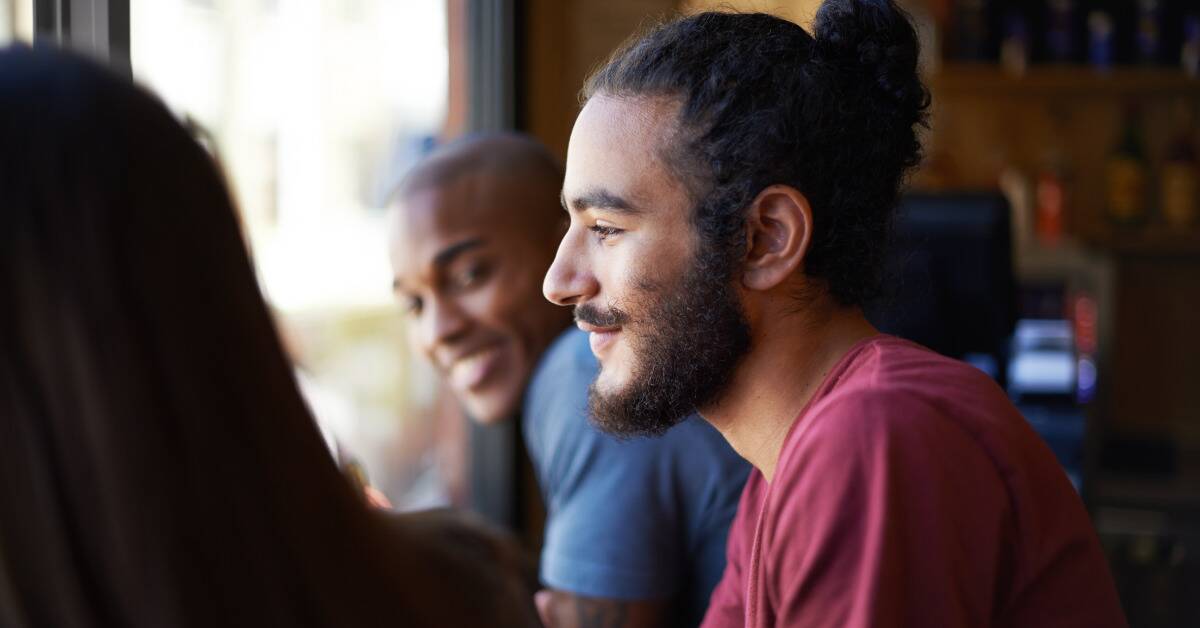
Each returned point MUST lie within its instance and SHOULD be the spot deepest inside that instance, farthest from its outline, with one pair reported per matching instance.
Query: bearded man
(730, 182)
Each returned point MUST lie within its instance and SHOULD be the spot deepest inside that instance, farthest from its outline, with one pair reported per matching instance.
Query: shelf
(1149, 242)
(992, 81)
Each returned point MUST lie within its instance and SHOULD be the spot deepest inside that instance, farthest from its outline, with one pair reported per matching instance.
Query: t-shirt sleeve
(610, 532)
(885, 514)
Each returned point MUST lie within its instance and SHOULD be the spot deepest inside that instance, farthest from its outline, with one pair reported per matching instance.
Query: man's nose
(444, 322)
(569, 280)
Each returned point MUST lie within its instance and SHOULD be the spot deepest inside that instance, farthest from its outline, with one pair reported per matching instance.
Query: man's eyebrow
(447, 255)
(600, 199)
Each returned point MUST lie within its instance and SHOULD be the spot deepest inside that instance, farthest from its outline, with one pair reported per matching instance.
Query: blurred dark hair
(762, 102)
(158, 466)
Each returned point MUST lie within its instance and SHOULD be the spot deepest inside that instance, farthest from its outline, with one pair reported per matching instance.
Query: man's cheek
(490, 303)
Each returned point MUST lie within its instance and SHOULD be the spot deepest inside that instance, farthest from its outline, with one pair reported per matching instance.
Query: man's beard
(685, 349)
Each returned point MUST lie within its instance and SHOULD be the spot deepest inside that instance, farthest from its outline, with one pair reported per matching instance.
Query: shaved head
(489, 158)
(475, 226)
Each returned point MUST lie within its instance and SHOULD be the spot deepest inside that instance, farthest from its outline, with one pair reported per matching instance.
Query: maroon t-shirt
(910, 492)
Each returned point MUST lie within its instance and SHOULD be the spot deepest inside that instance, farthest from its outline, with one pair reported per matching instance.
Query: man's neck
(790, 357)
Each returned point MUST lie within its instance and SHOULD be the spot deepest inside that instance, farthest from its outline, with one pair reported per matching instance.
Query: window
(315, 108)
(16, 21)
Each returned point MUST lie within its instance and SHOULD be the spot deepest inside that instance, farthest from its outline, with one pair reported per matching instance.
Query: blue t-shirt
(635, 519)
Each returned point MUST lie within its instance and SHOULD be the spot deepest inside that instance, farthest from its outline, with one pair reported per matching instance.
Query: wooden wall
(563, 41)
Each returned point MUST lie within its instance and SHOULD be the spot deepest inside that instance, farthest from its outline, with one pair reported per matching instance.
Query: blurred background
(1051, 238)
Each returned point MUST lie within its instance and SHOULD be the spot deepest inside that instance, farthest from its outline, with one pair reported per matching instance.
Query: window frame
(483, 89)
(99, 28)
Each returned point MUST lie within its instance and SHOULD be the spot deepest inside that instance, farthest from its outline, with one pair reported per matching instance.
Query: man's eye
(470, 276)
(603, 232)
(411, 305)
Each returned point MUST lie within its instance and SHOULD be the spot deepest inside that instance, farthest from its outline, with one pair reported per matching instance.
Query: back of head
(142, 390)
(834, 114)
(157, 464)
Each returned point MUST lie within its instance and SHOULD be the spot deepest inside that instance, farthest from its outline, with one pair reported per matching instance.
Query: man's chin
(605, 386)
(629, 412)
(489, 412)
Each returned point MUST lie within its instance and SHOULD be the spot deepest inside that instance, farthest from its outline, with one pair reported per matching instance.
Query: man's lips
(594, 329)
(600, 338)
(473, 368)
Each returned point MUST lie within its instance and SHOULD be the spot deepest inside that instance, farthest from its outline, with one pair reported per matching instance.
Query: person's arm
(611, 555)
(560, 609)
(462, 571)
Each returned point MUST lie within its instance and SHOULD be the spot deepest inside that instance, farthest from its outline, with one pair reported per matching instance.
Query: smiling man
(635, 531)
(730, 183)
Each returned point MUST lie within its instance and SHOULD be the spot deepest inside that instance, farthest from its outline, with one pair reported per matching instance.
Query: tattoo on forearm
(601, 613)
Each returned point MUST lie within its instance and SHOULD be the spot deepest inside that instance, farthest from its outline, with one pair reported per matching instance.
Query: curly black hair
(835, 114)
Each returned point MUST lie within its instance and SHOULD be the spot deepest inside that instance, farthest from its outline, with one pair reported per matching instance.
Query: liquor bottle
(1018, 190)
(1053, 183)
(1101, 40)
(1126, 174)
(1181, 173)
(1051, 207)
(1189, 54)
(1060, 31)
(1014, 47)
(971, 25)
(1149, 31)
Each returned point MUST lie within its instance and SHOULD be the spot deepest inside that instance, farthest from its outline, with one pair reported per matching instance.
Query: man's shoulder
(554, 412)
(568, 356)
(562, 374)
(899, 398)
(900, 380)
(890, 361)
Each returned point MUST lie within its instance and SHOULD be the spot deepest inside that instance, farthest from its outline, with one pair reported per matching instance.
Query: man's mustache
(593, 315)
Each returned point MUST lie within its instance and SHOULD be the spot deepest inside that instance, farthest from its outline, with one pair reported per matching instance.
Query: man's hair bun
(875, 37)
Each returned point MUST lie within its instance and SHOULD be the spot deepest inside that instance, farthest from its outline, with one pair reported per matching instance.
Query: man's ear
(778, 231)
